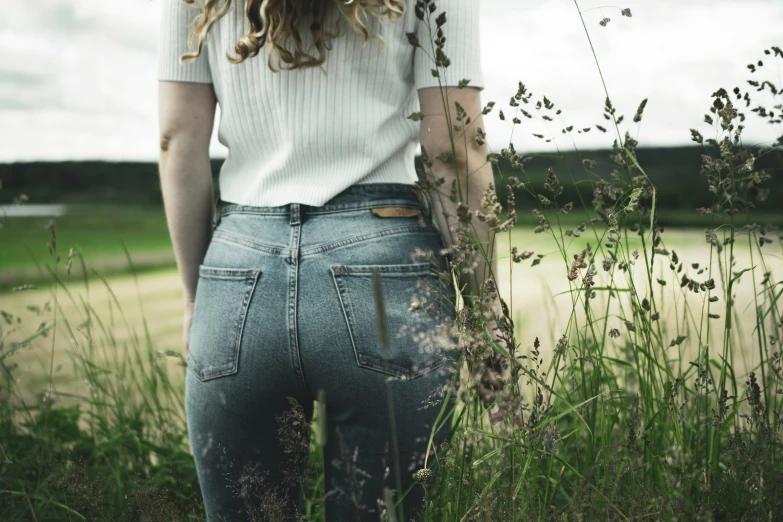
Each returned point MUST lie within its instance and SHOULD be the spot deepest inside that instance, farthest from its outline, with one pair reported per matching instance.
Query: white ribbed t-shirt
(304, 136)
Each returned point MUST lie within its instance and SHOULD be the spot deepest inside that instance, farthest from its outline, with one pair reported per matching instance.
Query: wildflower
(579, 262)
(678, 341)
(464, 214)
(515, 182)
(633, 423)
(542, 222)
(512, 212)
(551, 437)
(605, 21)
(293, 430)
(626, 12)
(754, 395)
(552, 184)
(633, 203)
(763, 240)
(422, 475)
(517, 257)
(589, 163)
(588, 281)
(561, 346)
(544, 200)
(614, 333)
(52, 244)
(614, 228)
(638, 117)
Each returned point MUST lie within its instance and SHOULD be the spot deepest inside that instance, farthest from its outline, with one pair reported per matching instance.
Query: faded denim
(285, 307)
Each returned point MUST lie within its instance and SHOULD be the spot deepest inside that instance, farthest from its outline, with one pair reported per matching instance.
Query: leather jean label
(396, 211)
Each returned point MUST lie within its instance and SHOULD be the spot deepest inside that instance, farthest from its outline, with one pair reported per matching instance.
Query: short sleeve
(177, 21)
(462, 46)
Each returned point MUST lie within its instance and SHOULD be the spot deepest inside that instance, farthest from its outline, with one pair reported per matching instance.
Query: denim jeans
(285, 306)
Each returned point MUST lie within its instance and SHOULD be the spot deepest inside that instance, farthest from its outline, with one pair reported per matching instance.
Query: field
(128, 305)
(99, 230)
(638, 374)
(138, 318)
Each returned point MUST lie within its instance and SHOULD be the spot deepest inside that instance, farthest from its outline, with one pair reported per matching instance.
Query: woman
(318, 191)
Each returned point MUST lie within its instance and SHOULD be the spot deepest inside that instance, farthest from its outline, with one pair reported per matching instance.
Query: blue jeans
(285, 307)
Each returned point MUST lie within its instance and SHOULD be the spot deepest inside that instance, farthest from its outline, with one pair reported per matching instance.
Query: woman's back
(305, 135)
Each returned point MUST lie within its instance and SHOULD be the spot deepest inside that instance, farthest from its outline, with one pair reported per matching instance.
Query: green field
(102, 370)
(98, 230)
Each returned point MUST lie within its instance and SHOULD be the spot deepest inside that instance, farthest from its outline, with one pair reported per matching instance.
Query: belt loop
(424, 199)
(216, 213)
(428, 203)
(295, 214)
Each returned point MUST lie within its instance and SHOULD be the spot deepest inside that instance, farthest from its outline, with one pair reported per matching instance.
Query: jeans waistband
(355, 197)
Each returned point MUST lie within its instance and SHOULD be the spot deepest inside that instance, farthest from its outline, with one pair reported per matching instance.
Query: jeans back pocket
(215, 336)
(407, 290)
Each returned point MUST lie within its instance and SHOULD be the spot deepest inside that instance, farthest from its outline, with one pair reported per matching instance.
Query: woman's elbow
(186, 142)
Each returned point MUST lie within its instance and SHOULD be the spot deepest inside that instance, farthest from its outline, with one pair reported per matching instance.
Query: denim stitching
(401, 270)
(334, 208)
(328, 247)
(227, 273)
(229, 367)
(370, 360)
(226, 237)
(339, 284)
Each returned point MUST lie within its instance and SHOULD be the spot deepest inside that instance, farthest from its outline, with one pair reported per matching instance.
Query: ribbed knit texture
(306, 135)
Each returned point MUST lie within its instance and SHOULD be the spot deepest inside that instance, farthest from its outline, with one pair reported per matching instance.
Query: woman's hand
(188, 320)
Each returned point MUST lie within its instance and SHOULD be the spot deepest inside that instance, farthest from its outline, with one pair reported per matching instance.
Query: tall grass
(630, 428)
(655, 400)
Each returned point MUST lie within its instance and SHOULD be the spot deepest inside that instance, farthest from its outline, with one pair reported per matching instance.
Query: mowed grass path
(541, 307)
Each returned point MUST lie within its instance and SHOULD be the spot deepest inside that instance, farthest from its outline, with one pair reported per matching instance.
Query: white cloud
(78, 77)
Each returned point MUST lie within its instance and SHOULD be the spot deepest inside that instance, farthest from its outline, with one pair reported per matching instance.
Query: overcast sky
(78, 77)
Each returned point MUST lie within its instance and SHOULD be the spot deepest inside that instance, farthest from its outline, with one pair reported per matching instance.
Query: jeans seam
(231, 239)
(226, 237)
(369, 360)
(328, 247)
(226, 370)
(334, 208)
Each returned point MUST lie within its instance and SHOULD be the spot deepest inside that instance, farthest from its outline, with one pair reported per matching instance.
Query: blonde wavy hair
(273, 22)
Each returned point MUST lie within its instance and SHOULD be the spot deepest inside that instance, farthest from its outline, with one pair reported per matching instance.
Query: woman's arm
(186, 113)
